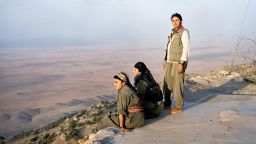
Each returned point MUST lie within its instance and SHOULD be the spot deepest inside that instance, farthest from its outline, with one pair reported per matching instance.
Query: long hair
(148, 73)
(145, 71)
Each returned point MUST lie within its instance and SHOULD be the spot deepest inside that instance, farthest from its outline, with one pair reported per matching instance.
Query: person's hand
(124, 129)
(180, 69)
(164, 66)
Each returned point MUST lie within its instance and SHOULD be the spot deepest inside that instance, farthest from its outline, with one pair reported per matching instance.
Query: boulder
(62, 136)
(223, 72)
(233, 75)
(103, 136)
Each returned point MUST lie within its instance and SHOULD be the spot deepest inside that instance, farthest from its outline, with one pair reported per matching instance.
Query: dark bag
(154, 93)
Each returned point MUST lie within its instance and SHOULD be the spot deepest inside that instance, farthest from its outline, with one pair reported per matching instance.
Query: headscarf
(179, 29)
(121, 76)
(141, 67)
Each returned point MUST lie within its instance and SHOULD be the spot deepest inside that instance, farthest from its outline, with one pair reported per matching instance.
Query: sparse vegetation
(54, 124)
(34, 139)
(2, 140)
(72, 132)
(83, 112)
(248, 71)
(67, 128)
(47, 138)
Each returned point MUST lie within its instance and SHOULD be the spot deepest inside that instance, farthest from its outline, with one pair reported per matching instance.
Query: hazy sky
(25, 22)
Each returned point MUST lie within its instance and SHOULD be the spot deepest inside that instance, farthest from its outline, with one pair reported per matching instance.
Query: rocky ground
(68, 129)
(219, 108)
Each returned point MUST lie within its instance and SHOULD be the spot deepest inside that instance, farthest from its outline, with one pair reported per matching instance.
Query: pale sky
(26, 22)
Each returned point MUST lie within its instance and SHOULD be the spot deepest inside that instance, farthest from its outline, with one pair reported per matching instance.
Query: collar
(177, 30)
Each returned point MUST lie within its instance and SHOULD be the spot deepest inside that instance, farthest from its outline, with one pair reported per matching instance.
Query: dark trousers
(167, 95)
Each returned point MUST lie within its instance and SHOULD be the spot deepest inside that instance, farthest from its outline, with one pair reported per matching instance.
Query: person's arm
(121, 119)
(186, 47)
(185, 52)
(122, 107)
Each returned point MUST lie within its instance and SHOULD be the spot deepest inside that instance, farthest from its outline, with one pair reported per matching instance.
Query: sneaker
(176, 110)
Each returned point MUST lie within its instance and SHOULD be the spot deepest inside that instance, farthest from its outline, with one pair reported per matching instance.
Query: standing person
(148, 90)
(129, 113)
(176, 60)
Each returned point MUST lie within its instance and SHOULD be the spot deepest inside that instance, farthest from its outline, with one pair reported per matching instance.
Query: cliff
(219, 108)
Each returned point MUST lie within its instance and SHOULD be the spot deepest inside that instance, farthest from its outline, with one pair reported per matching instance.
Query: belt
(135, 108)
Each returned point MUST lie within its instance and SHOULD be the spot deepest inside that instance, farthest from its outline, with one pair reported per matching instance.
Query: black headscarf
(141, 67)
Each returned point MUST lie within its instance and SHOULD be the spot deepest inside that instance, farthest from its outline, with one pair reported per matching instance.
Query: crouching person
(148, 90)
(129, 113)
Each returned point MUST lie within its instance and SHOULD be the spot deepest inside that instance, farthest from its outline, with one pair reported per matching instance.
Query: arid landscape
(38, 86)
(221, 100)
(58, 59)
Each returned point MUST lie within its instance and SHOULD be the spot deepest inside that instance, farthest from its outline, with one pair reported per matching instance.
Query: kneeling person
(148, 90)
(129, 113)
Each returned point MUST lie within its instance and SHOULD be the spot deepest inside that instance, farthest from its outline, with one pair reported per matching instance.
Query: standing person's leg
(167, 87)
(167, 96)
(178, 91)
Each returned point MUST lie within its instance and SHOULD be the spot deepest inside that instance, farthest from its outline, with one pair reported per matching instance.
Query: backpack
(153, 93)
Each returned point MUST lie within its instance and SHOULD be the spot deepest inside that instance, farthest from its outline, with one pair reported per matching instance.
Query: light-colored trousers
(175, 84)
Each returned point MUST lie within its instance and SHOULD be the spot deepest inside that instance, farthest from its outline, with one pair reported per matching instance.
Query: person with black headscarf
(148, 90)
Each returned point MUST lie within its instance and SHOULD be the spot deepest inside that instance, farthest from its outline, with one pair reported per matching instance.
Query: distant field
(38, 86)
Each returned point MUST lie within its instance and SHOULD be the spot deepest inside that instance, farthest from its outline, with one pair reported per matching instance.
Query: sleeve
(122, 104)
(186, 46)
(142, 88)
